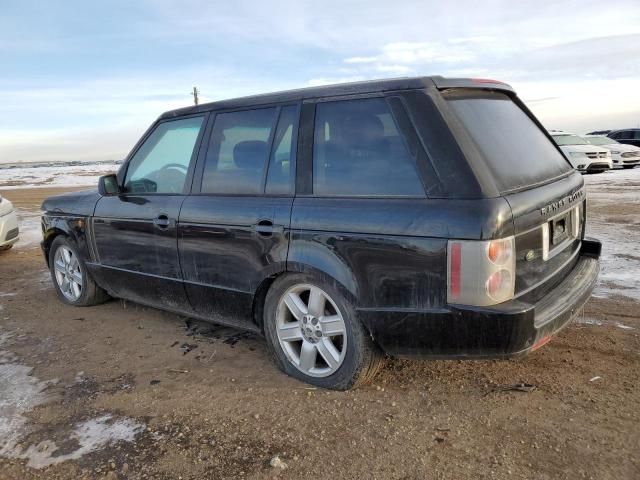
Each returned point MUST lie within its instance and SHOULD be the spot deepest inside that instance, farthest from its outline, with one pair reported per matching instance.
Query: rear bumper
(510, 329)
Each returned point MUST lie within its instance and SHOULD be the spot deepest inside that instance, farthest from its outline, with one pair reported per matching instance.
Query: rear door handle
(162, 222)
(266, 228)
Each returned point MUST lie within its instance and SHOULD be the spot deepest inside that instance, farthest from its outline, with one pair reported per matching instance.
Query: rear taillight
(481, 272)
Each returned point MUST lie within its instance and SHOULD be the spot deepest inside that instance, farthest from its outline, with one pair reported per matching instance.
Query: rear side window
(358, 150)
(517, 153)
(238, 152)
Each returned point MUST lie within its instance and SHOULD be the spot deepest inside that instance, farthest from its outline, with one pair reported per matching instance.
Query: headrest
(250, 154)
(362, 128)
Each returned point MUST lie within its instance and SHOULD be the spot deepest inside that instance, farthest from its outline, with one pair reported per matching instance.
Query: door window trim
(122, 173)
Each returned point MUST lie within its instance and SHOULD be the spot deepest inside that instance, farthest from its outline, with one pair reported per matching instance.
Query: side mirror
(108, 185)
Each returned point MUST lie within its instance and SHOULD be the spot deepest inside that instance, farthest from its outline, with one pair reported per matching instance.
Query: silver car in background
(622, 155)
(9, 231)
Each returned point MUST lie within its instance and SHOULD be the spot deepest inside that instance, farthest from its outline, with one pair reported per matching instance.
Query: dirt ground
(207, 402)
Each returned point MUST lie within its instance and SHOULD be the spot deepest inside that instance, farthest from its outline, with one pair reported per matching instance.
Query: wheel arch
(343, 282)
(71, 228)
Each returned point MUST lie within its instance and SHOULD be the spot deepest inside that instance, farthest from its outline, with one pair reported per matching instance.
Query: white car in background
(8, 224)
(622, 155)
(584, 156)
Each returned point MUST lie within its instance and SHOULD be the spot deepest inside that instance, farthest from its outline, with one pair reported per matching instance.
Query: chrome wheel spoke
(75, 289)
(295, 305)
(329, 353)
(332, 325)
(290, 332)
(316, 302)
(77, 277)
(308, 354)
(59, 266)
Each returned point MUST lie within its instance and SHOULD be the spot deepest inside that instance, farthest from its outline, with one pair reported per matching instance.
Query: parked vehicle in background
(9, 231)
(630, 136)
(342, 221)
(622, 156)
(584, 157)
(599, 132)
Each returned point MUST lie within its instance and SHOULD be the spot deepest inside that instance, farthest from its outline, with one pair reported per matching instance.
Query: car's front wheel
(314, 335)
(71, 279)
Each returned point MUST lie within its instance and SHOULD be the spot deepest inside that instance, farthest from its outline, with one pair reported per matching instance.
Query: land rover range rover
(420, 217)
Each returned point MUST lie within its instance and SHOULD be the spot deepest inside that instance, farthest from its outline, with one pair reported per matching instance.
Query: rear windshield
(517, 153)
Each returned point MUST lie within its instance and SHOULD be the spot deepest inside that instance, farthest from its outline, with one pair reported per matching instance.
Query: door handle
(266, 228)
(162, 222)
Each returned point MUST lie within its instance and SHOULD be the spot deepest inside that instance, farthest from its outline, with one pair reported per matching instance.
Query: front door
(136, 232)
(233, 230)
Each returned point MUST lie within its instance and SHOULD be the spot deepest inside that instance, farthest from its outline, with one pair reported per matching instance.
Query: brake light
(486, 80)
(481, 273)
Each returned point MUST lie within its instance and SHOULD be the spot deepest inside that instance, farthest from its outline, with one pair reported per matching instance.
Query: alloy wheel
(68, 274)
(311, 330)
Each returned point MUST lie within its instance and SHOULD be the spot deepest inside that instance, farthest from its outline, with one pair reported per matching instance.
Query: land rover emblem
(530, 255)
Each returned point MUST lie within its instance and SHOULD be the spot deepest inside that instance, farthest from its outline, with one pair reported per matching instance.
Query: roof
(352, 88)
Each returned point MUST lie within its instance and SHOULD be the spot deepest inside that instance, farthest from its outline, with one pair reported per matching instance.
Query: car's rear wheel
(314, 335)
(71, 279)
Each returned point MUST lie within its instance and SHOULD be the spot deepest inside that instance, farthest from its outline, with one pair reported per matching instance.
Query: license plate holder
(560, 228)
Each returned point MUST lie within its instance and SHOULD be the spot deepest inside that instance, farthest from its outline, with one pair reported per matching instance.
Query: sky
(83, 80)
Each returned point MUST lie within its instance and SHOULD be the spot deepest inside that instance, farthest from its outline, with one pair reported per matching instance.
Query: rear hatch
(508, 148)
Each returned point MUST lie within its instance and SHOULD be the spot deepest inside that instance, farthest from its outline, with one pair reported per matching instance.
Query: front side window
(358, 150)
(238, 152)
(160, 165)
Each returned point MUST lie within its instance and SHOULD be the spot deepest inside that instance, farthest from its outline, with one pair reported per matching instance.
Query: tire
(628, 166)
(85, 292)
(354, 358)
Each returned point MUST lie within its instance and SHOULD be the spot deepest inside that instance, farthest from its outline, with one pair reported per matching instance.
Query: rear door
(136, 232)
(359, 215)
(234, 228)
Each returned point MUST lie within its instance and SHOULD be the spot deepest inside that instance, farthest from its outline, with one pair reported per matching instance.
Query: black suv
(630, 136)
(420, 217)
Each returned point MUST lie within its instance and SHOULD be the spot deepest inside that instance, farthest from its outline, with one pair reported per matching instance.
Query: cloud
(87, 68)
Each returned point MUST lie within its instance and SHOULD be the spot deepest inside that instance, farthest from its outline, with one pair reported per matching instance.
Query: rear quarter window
(515, 150)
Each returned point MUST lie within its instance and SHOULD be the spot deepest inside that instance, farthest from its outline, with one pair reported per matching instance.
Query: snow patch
(91, 435)
(20, 392)
(74, 174)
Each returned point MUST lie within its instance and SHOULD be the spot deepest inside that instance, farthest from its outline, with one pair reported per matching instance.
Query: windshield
(600, 140)
(569, 140)
(517, 152)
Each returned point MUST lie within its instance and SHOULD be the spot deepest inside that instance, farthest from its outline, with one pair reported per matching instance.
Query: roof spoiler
(443, 83)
